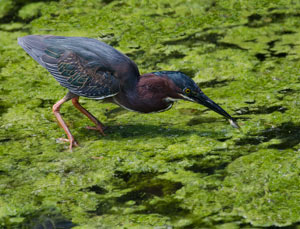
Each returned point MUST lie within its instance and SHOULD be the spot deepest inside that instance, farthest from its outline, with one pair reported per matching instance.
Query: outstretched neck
(151, 94)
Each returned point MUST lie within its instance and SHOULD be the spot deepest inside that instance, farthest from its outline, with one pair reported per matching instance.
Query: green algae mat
(184, 168)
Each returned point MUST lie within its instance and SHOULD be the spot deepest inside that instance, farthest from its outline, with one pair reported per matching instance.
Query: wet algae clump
(184, 168)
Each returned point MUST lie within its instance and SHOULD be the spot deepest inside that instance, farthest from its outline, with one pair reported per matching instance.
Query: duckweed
(184, 168)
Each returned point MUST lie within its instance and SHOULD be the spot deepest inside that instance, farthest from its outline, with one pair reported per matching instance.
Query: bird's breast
(142, 105)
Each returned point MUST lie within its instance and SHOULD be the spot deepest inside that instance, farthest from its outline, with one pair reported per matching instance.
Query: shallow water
(184, 168)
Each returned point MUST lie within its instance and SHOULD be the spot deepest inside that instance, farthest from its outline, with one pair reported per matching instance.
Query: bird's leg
(55, 109)
(99, 125)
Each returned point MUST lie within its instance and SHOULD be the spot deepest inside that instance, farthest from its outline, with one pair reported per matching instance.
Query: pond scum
(184, 168)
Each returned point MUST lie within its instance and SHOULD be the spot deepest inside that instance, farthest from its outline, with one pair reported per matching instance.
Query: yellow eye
(187, 91)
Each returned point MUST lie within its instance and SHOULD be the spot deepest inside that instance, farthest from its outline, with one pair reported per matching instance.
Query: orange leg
(55, 109)
(99, 125)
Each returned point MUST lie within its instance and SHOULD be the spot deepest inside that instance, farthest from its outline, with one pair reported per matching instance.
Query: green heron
(93, 69)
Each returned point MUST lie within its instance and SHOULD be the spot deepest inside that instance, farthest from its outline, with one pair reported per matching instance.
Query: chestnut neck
(152, 94)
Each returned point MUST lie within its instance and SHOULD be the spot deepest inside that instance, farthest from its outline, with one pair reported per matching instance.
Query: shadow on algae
(184, 168)
(47, 219)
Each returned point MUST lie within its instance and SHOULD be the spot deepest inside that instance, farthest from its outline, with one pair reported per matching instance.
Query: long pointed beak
(202, 99)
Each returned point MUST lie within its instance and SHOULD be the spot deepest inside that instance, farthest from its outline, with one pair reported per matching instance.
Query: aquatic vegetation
(187, 167)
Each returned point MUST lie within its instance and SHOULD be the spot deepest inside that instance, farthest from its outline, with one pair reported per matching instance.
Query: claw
(97, 158)
(97, 128)
(72, 142)
(56, 107)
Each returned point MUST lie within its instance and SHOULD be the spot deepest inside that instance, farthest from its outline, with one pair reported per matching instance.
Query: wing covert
(74, 73)
(87, 67)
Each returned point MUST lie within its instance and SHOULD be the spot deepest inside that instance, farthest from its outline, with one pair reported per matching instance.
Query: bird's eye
(187, 91)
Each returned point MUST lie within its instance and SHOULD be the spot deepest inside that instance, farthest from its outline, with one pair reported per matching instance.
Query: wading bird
(93, 69)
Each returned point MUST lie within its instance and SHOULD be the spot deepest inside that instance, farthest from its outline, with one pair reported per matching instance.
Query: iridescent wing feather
(86, 67)
(72, 72)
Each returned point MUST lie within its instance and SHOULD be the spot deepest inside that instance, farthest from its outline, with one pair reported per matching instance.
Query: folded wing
(86, 67)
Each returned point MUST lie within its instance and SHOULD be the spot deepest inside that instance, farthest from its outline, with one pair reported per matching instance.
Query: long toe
(72, 142)
(62, 140)
(97, 128)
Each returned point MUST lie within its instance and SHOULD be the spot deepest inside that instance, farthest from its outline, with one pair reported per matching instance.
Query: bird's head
(187, 89)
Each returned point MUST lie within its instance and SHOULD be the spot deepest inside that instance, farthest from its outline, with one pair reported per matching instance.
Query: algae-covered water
(183, 168)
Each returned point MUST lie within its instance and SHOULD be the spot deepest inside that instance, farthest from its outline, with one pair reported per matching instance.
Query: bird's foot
(72, 142)
(99, 128)
(97, 158)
